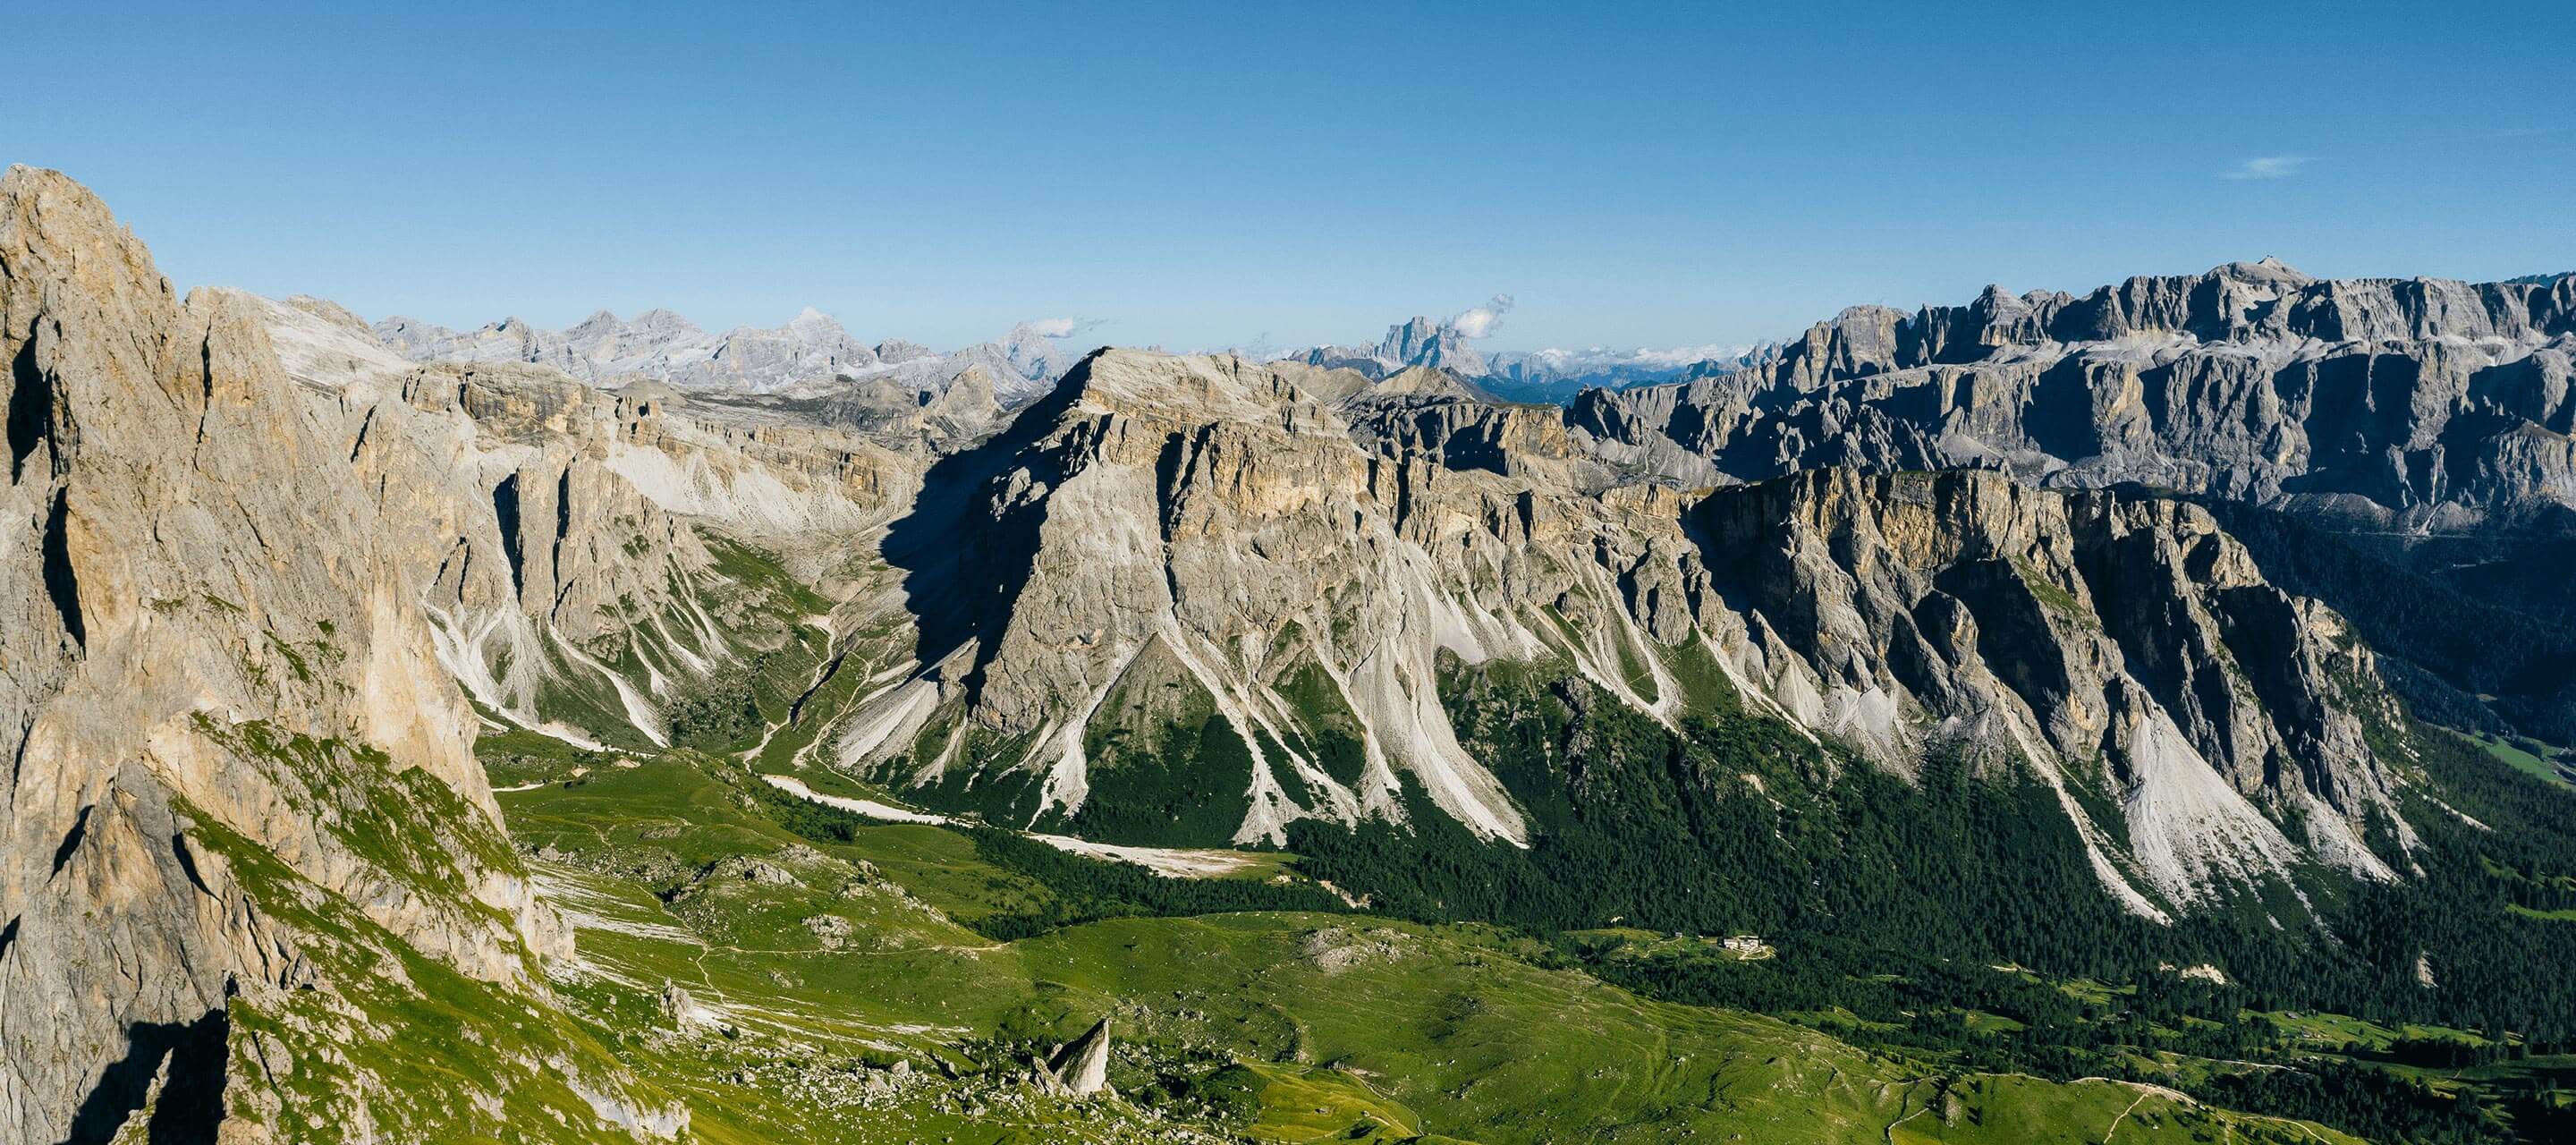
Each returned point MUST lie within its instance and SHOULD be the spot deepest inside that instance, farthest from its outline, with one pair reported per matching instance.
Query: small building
(1744, 943)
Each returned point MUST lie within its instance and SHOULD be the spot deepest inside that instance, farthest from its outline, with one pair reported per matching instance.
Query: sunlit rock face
(2418, 400)
(211, 626)
(1213, 528)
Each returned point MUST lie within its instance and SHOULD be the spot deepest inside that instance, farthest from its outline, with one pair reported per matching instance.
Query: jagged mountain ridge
(1419, 341)
(1559, 375)
(2426, 402)
(1548, 375)
(663, 346)
(2421, 401)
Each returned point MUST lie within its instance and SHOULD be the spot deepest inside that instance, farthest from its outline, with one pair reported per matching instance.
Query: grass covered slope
(402, 1047)
(790, 972)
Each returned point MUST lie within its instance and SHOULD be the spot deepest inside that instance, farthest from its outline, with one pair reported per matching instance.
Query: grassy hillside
(834, 982)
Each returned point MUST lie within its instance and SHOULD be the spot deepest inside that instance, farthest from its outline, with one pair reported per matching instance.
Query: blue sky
(1204, 175)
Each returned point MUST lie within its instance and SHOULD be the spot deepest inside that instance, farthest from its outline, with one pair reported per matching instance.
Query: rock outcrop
(1079, 1068)
(956, 413)
(1151, 515)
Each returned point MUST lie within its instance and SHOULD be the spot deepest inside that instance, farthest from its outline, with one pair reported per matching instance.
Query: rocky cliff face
(928, 422)
(2420, 400)
(1149, 518)
(2124, 644)
(1279, 558)
(214, 679)
(594, 557)
(1437, 415)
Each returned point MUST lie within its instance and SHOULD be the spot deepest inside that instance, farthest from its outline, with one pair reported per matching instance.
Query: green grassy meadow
(839, 990)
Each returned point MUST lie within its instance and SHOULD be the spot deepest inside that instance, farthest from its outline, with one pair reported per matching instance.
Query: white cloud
(1481, 320)
(2267, 167)
(1061, 327)
(1680, 356)
(1645, 357)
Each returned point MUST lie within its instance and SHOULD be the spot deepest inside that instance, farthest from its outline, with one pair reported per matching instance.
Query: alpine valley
(2126, 716)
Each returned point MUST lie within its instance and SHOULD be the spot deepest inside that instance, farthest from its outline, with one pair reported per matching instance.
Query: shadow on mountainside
(966, 547)
(186, 1060)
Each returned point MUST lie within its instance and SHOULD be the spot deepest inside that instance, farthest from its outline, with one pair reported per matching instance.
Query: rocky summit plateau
(2137, 714)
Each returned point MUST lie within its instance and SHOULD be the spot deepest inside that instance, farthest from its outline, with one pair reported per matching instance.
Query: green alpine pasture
(840, 986)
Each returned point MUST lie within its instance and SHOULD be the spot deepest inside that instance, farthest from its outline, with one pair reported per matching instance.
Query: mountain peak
(661, 321)
(815, 328)
(47, 200)
(1428, 382)
(897, 350)
(2267, 269)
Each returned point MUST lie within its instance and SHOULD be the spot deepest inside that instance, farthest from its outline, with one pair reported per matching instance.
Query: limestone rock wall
(194, 578)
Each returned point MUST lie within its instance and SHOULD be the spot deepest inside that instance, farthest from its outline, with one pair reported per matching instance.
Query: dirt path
(1170, 862)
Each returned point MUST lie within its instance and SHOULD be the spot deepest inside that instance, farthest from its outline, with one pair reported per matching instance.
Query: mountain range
(1551, 375)
(662, 346)
(2037, 719)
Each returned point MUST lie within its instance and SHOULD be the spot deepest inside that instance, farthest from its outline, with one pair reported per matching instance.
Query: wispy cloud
(2266, 167)
(1063, 327)
(1480, 321)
